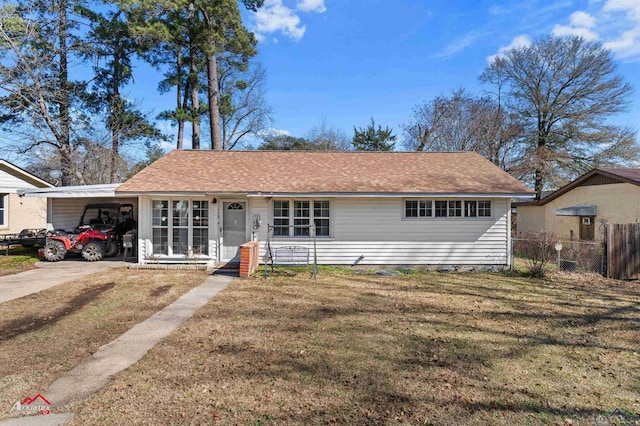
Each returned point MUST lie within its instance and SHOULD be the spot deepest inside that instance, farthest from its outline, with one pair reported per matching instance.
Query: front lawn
(426, 348)
(46, 334)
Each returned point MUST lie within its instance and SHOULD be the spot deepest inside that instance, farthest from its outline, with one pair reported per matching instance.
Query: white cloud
(625, 43)
(626, 46)
(167, 146)
(460, 44)
(274, 16)
(630, 7)
(580, 24)
(522, 40)
(311, 6)
(568, 30)
(275, 132)
(582, 20)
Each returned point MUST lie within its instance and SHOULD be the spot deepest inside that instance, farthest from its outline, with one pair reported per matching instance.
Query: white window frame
(189, 226)
(481, 209)
(4, 217)
(448, 205)
(292, 216)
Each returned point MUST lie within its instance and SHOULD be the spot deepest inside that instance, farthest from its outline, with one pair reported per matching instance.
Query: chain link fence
(539, 250)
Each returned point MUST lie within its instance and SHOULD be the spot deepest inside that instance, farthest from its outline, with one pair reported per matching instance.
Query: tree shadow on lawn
(389, 351)
(33, 323)
(365, 386)
(467, 361)
(552, 309)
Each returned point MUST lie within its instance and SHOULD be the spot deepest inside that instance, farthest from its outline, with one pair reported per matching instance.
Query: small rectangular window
(180, 215)
(441, 208)
(470, 208)
(455, 208)
(411, 208)
(425, 209)
(321, 218)
(484, 208)
(201, 227)
(301, 218)
(3, 209)
(293, 218)
(160, 224)
(281, 218)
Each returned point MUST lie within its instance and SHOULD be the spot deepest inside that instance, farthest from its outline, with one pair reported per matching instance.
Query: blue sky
(345, 61)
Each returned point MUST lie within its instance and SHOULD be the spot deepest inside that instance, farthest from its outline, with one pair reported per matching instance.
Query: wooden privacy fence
(623, 251)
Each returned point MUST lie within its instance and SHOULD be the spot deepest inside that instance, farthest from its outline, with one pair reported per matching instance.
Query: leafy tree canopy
(372, 139)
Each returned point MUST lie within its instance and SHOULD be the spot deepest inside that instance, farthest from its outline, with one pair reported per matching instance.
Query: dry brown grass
(421, 349)
(46, 334)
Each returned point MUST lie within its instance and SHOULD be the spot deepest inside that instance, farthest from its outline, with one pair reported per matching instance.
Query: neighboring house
(401, 208)
(577, 210)
(17, 212)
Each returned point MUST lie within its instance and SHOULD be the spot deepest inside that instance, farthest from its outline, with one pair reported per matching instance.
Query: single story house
(577, 210)
(17, 212)
(376, 208)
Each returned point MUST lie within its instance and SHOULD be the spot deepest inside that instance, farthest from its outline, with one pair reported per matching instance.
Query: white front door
(234, 231)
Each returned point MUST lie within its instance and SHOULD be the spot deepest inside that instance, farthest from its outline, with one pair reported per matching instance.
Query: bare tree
(37, 95)
(462, 122)
(243, 108)
(564, 89)
(91, 163)
(328, 138)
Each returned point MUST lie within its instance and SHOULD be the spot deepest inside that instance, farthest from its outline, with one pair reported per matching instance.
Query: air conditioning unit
(586, 221)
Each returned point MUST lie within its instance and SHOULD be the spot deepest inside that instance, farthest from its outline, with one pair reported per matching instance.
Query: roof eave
(106, 190)
(258, 194)
(26, 175)
(571, 185)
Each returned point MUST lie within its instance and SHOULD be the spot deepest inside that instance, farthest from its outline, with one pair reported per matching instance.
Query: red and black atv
(92, 244)
(98, 235)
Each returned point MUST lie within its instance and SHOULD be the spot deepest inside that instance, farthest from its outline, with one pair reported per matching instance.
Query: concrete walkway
(47, 275)
(96, 371)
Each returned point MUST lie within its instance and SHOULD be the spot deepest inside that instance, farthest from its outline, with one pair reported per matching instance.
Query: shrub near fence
(538, 250)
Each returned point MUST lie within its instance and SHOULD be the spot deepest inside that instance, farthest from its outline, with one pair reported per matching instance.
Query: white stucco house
(368, 208)
(16, 212)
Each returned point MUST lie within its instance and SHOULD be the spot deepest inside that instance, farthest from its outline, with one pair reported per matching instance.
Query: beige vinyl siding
(65, 213)
(375, 228)
(10, 183)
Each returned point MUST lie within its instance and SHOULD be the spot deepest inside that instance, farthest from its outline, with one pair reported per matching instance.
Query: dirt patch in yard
(46, 334)
(427, 348)
(160, 290)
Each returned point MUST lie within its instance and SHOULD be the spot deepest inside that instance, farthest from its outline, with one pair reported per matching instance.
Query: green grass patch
(18, 259)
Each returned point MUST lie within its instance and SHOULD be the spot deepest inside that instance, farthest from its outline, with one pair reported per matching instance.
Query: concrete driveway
(47, 275)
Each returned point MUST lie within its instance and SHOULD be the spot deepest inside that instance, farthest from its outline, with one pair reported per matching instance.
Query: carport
(66, 204)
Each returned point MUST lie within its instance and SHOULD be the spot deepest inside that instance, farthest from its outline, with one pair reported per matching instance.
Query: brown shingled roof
(626, 173)
(323, 172)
